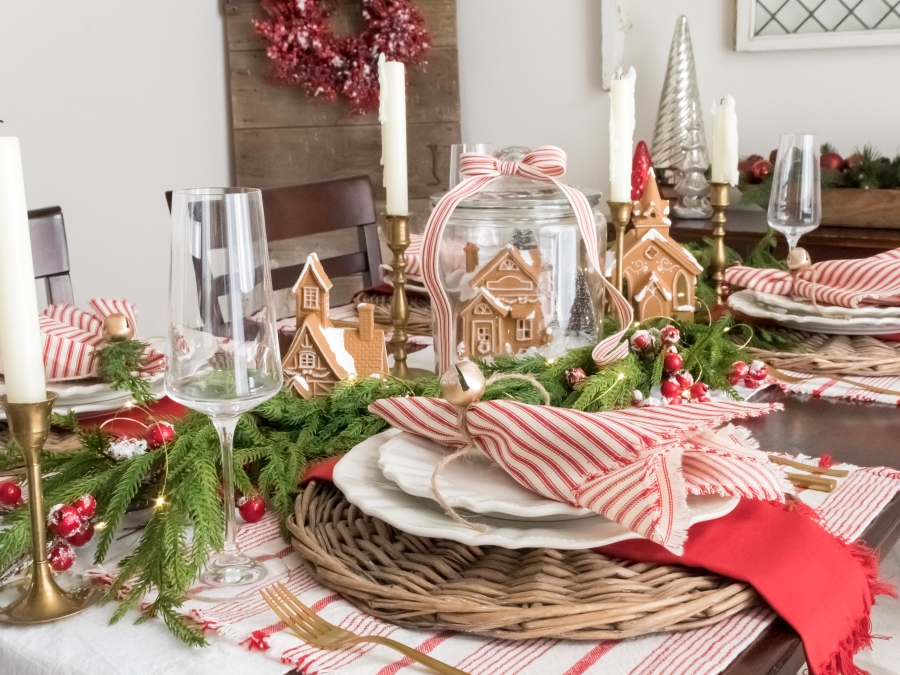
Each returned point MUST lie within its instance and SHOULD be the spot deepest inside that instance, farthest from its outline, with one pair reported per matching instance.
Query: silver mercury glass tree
(679, 96)
(691, 185)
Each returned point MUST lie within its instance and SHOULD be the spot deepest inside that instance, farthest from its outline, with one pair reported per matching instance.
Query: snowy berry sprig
(73, 526)
(677, 384)
(751, 376)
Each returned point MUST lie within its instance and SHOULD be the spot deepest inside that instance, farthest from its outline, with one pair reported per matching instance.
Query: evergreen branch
(120, 363)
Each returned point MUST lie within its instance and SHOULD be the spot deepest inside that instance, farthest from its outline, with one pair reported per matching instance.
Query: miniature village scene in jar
(516, 272)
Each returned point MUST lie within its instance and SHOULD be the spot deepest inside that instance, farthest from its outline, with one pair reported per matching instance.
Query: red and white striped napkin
(845, 283)
(849, 387)
(847, 511)
(71, 336)
(636, 467)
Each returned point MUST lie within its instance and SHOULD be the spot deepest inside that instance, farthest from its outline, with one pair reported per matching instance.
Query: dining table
(859, 433)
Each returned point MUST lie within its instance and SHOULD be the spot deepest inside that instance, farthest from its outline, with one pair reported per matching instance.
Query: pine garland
(120, 362)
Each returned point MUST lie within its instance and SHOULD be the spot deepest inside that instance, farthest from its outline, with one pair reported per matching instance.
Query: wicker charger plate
(822, 354)
(514, 594)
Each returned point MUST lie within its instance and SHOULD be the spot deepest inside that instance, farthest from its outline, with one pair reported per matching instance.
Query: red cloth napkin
(845, 283)
(132, 421)
(819, 584)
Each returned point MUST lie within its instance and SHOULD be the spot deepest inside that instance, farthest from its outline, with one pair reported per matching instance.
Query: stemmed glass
(222, 345)
(795, 205)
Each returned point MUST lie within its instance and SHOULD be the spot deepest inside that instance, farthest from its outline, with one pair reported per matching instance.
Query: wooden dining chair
(318, 208)
(50, 253)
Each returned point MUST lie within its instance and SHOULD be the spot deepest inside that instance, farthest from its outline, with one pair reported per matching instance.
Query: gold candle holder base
(43, 601)
(718, 199)
(398, 240)
(620, 214)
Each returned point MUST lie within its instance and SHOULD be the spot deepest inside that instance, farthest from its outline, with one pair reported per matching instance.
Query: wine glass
(222, 346)
(795, 205)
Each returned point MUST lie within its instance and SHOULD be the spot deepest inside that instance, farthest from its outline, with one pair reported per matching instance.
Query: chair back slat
(50, 253)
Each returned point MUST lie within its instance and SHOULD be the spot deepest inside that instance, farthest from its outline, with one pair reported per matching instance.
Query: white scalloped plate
(798, 306)
(477, 484)
(358, 477)
(746, 302)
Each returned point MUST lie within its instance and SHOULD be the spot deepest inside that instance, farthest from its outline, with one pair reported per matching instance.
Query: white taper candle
(621, 135)
(725, 142)
(20, 334)
(392, 115)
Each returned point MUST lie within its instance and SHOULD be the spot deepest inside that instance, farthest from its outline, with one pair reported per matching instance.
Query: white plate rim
(744, 301)
(358, 477)
(416, 480)
(825, 311)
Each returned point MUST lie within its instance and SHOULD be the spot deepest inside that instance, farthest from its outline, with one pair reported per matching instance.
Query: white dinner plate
(357, 475)
(747, 303)
(475, 484)
(802, 307)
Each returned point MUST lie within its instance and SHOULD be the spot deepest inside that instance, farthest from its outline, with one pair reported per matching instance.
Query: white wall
(114, 103)
(530, 74)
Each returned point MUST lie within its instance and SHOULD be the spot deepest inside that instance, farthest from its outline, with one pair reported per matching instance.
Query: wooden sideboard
(744, 229)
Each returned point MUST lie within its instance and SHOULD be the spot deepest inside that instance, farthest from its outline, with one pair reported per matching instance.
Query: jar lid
(517, 197)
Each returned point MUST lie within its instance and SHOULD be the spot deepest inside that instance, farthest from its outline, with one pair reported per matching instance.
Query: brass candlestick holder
(718, 199)
(398, 241)
(620, 213)
(44, 600)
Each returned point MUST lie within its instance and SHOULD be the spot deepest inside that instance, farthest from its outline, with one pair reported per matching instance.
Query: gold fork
(315, 630)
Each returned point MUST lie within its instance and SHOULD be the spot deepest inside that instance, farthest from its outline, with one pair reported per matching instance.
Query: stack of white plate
(90, 396)
(388, 476)
(801, 314)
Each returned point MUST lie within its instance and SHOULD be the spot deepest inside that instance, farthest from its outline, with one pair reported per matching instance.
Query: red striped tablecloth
(847, 387)
(707, 651)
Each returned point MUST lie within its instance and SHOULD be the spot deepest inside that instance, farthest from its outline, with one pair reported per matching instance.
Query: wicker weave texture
(822, 354)
(515, 594)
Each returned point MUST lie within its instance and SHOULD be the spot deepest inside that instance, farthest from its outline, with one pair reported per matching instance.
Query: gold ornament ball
(799, 260)
(463, 384)
(116, 326)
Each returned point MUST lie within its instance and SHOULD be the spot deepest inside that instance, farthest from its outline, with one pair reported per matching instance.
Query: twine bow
(544, 164)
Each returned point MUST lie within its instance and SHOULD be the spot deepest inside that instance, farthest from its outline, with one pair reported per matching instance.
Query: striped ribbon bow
(635, 466)
(845, 283)
(71, 337)
(544, 164)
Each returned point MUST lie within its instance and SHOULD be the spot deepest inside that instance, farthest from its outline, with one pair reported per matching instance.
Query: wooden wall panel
(281, 136)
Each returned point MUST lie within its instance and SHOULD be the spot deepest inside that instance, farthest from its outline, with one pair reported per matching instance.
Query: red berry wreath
(307, 53)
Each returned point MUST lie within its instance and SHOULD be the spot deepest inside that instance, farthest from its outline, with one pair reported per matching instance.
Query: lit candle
(621, 135)
(20, 334)
(392, 115)
(725, 142)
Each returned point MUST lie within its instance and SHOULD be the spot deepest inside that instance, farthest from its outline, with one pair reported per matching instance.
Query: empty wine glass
(456, 151)
(795, 205)
(222, 345)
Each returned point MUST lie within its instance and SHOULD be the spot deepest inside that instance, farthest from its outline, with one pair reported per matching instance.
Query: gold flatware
(838, 473)
(313, 629)
(811, 482)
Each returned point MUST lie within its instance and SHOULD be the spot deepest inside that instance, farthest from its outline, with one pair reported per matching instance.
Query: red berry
(10, 493)
(758, 171)
(252, 510)
(739, 368)
(64, 520)
(758, 370)
(685, 379)
(750, 383)
(641, 340)
(670, 335)
(61, 557)
(82, 535)
(575, 376)
(699, 391)
(672, 363)
(159, 434)
(704, 399)
(675, 400)
(669, 389)
(86, 506)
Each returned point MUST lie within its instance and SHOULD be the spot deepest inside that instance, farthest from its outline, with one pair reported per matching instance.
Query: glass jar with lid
(516, 272)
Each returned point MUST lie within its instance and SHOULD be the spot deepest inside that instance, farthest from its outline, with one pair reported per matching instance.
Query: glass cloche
(515, 269)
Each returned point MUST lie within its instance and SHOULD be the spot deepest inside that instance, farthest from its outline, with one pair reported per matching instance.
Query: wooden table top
(864, 434)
